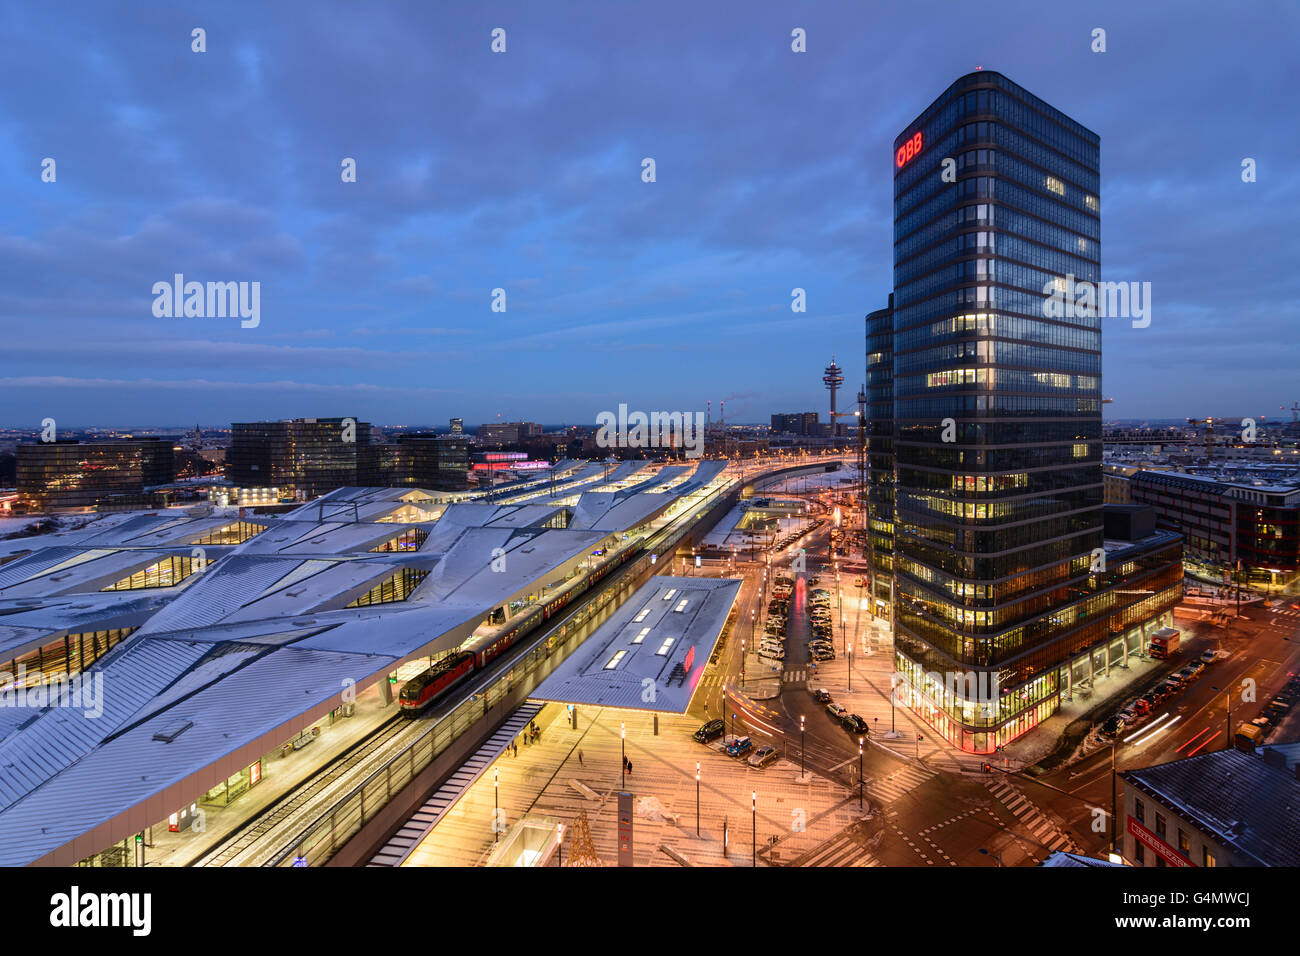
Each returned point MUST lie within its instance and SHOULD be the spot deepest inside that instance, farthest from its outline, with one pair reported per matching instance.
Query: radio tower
(833, 378)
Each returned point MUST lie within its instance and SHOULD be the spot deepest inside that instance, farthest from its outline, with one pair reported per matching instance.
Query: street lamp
(560, 845)
(623, 749)
(803, 769)
(496, 804)
(859, 773)
(848, 654)
(697, 798)
(753, 828)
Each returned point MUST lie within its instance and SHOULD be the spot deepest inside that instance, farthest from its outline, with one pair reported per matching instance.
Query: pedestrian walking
(629, 768)
(579, 757)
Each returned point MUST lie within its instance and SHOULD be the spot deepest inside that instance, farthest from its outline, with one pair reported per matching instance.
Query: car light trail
(1159, 730)
(1193, 740)
(1149, 727)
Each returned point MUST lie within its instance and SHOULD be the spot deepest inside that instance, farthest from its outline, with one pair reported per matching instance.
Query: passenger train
(431, 684)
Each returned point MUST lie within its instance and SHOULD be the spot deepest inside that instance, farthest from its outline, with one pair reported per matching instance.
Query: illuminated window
(641, 635)
(669, 595)
(164, 574)
(1055, 185)
(408, 540)
(681, 605)
(396, 588)
(613, 661)
(1092, 203)
(641, 615)
(664, 647)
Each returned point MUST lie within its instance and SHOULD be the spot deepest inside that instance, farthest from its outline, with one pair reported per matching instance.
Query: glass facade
(75, 474)
(880, 451)
(995, 431)
(62, 657)
(306, 454)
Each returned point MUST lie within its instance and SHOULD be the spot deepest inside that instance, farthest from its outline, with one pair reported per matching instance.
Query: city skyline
(772, 174)
(418, 419)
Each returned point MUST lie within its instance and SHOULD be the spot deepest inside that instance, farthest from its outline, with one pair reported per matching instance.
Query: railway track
(241, 843)
(263, 839)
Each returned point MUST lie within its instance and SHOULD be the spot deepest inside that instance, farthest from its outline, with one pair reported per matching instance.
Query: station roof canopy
(651, 653)
(263, 639)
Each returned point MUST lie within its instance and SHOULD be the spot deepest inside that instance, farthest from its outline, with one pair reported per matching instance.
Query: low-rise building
(1226, 808)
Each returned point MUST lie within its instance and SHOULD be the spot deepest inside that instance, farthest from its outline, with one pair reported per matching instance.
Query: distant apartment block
(430, 461)
(1115, 488)
(308, 457)
(796, 423)
(1224, 522)
(507, 433)
(77, 474)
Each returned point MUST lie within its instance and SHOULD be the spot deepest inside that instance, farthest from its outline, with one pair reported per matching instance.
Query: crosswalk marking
(795, 676)
(1039, 825)
(898, 784)
(839, 850)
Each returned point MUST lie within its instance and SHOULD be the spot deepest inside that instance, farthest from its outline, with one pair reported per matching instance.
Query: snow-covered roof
(260, 641)
(637, 659)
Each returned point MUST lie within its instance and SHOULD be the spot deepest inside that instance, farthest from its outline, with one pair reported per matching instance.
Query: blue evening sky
(522, 171)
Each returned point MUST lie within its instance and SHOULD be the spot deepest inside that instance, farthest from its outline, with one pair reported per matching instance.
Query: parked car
(1209, 657)
(1113, 725)
(1128, 715)
(822, 696)
(854, 725)
(1164, 689)
(710, 731)
(836, 711)
(1148, 700)
(1141, 706)
(738, 745)
(761, 756)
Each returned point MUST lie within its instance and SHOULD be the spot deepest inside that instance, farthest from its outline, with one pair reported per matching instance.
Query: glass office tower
(880, 455)
(997, 408)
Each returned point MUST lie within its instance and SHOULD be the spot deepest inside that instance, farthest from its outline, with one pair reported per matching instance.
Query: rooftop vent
(173, 730)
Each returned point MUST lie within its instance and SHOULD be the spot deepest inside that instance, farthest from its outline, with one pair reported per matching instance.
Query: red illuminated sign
(1171, 856)
(908, 150)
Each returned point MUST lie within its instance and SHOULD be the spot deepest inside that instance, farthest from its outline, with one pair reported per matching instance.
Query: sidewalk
(540, 783)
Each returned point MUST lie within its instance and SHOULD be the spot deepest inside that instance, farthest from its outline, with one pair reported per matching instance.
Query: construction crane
(1209, 433)
(1295, 416)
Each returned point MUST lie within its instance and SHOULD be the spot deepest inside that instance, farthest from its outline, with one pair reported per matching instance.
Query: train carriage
(424, 688)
